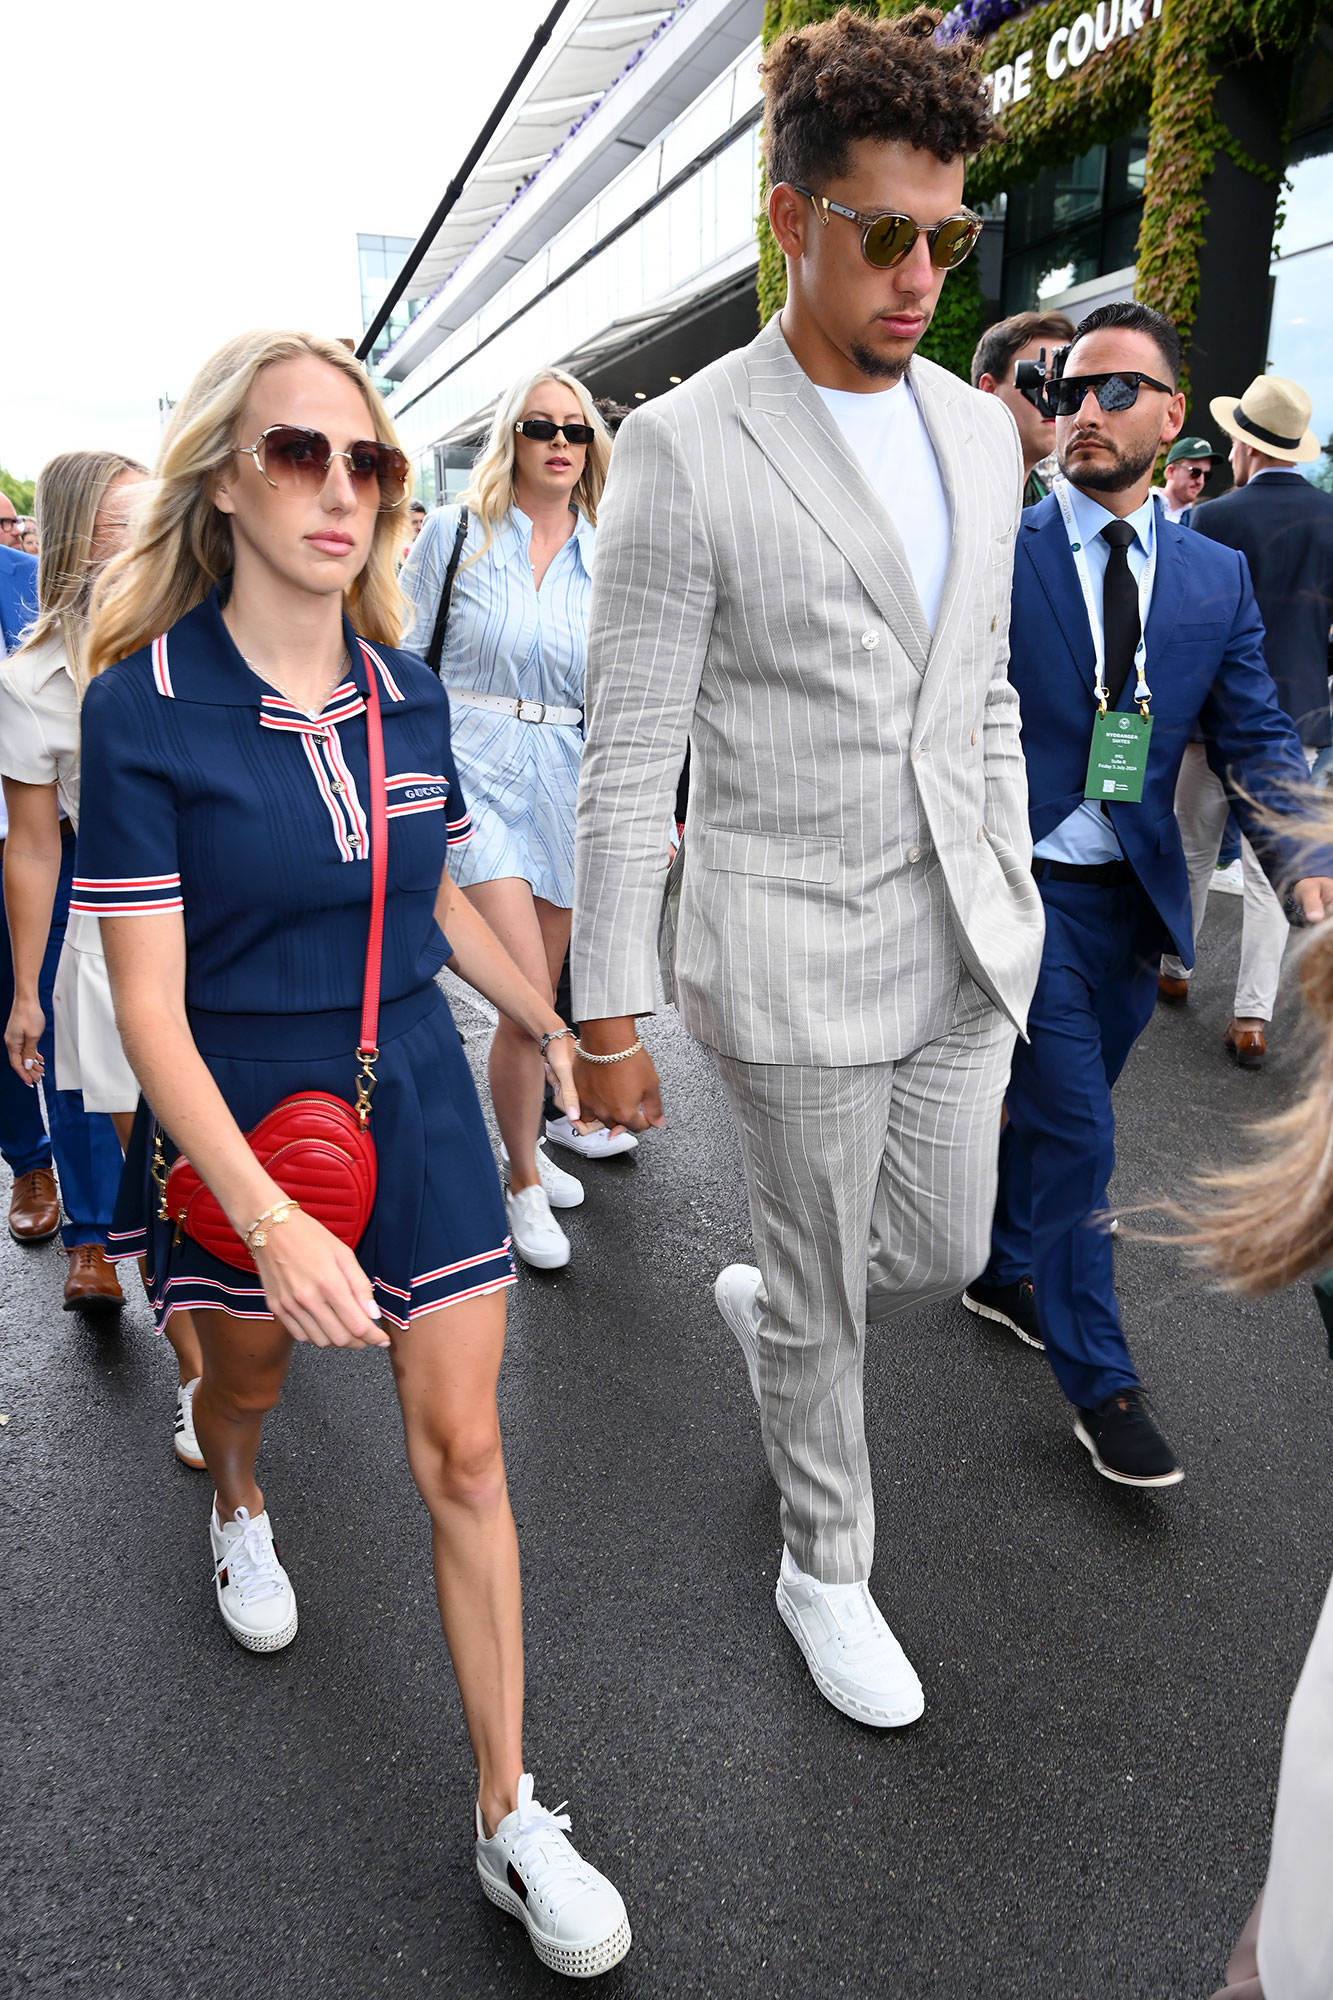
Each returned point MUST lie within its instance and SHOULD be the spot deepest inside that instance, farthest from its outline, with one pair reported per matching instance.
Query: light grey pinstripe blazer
(858, 803)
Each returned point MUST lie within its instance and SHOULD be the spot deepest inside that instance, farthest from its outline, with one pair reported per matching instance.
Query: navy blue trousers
(1095, 994)
(85, 1148)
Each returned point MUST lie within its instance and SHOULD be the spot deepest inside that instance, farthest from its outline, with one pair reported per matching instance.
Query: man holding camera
(1106, 591)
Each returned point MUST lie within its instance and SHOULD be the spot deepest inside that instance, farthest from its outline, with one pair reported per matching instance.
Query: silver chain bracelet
(619, 1056)
(556, 1035)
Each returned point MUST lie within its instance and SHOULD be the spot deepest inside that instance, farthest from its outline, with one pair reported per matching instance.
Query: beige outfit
(858, 930)
(39, 745)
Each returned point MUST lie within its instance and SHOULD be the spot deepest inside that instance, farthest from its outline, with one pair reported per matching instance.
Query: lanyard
(1142, 692)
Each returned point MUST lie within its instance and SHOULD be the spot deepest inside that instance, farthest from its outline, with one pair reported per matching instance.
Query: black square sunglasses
(1064, 396)
(542, 431)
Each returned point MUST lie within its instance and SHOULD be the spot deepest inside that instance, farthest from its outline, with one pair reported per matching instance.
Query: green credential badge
(1119, 757)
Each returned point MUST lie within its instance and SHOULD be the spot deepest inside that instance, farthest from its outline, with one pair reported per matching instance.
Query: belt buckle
(521, 705)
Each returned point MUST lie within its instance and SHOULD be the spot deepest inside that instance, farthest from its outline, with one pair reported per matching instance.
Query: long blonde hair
(490, 491)
(70, 491)
(182, 545)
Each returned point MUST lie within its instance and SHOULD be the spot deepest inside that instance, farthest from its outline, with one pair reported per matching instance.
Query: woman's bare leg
(180, 1327)
(244, 1364)
(536, 935)
(446, 1365)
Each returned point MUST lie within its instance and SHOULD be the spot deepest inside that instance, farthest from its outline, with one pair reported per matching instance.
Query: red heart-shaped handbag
(316, 1147)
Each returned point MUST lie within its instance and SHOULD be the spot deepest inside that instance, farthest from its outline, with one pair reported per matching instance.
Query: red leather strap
(379, 862)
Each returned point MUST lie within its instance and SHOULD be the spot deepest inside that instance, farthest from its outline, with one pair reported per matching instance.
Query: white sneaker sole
(838, 1697)
(258, 1642)
(185, 1457)
(1003, 1319)
(541, 1260)
(575, 1961)
(1172, 1478)
(585, 1146)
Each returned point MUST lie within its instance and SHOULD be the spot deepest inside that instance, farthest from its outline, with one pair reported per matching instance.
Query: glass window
(1073, 223)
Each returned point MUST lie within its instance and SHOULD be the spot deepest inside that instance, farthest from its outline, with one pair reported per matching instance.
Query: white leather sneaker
(734, 1292)
(853, 1657)
(562, 1190)
(574, 1916)
(599, 1145)
(537, 1236)
(187, 1444)
(255, 1594)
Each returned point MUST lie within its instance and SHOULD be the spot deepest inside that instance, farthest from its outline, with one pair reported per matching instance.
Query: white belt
(524, 711)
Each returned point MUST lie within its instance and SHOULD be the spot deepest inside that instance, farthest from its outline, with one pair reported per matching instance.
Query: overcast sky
(175, 173)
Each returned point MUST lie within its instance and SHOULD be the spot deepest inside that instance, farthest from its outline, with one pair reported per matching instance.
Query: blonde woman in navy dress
(515, 648)
(224, 847)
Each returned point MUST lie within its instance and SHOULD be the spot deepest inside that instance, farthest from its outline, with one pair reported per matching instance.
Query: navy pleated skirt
(438, 1232)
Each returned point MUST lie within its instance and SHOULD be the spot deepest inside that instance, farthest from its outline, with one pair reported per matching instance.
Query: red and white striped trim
(125, 896)
(391, 687)
(360, 825)
(310, 744)
(276, 714)
(161, 670)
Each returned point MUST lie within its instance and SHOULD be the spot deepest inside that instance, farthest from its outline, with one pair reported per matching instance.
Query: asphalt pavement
(1082, 1813)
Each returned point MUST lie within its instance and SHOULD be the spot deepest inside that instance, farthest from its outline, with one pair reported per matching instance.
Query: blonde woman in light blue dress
(514, 653)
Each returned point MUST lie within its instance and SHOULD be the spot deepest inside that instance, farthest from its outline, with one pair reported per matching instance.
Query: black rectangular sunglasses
(1119, 391)
(542, 431)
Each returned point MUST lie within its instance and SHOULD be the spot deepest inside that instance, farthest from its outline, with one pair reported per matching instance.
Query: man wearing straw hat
(1283, 526)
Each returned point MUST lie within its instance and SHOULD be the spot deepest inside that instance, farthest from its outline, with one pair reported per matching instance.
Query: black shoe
(1013, 1306)
(1126, 1444)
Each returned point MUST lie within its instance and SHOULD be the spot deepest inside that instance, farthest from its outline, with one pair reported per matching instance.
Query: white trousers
(1201, 810)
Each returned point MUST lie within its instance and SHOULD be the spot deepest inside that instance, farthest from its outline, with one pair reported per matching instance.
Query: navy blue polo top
(205, 791)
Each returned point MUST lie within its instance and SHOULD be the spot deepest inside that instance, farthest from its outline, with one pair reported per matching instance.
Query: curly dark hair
(834, 82)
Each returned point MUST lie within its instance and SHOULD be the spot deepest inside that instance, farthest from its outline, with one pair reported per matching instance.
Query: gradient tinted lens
(543, 432)
(888, 241)
(381, 466)
(294, 459)
(953, 241)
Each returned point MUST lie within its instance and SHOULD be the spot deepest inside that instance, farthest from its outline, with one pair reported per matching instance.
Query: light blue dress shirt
(1087, 837)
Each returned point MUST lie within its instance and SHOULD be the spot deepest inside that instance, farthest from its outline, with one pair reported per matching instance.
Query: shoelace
(858, 1628)
(251, 1562)
(542, 1855)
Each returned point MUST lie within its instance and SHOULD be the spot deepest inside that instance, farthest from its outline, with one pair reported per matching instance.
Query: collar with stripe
(198, 661)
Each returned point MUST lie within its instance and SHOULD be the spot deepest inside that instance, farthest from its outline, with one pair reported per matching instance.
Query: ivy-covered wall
(1166, 72)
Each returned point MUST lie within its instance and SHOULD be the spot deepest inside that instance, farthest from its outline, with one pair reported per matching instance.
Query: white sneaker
(734, 1292)
(574, 1916)
(855, 1661)
(187, 1444)
(537, 1236)
(599, 1145)
(562, 1190)
(255, 1594)
(1229, 881)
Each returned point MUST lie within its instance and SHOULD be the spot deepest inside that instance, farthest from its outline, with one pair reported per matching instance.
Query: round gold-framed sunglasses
(887, 237)
(296, 460)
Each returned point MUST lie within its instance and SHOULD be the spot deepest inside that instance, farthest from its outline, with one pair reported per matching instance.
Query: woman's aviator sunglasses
(887, 238)
(1064, 396)
(542, 431)
(299, 461)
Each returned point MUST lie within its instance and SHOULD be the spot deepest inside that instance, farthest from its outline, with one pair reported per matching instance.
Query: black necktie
(1120, 609)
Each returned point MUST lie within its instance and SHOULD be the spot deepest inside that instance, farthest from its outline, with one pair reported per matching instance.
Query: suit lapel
(790, 424)
(1047, 547)
(1168, 592)
(951, 434)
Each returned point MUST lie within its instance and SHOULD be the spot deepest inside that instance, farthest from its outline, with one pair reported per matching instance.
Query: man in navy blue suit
(1126, 631)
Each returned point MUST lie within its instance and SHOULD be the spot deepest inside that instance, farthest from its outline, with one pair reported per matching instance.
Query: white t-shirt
(884, 431)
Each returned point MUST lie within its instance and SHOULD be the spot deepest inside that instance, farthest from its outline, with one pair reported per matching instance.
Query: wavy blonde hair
(490, 491)
(182, 546)
(70, 492)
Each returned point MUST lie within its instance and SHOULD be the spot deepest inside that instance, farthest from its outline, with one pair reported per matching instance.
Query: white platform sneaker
(735, 1292)
(853, 1657)
(537, 1236)
(187, 1444)
(562, 1190)
(255, 1594)
(574, 1916)
(599, 1145)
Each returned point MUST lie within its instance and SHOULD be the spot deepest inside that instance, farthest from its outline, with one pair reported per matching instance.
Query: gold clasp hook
(365, 1085)
(159, 1173)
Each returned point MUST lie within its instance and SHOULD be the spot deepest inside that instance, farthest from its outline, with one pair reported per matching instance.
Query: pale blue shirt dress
(505, 637)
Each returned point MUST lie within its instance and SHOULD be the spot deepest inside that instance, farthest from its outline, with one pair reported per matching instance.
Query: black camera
(1032, 378)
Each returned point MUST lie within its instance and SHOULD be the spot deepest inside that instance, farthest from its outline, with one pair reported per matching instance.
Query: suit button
(981, 836)
(916, 755)
(870, 640)
(974, 739)
(914, 853)
(338, 785)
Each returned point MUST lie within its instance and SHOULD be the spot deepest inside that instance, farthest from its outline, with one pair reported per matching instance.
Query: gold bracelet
(256, 1236)
(619, 1056)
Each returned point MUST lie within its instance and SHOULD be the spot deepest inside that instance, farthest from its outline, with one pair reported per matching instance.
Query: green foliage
(1173, 61)
(20, 491)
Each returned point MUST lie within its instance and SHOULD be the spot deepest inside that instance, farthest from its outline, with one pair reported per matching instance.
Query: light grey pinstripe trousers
(872, 1190)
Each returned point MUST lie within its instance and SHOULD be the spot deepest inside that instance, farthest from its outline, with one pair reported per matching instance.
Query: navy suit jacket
(1283, 526)
(1205, 663)
(18, 594)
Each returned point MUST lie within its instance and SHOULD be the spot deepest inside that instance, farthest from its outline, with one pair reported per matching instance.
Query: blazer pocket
(791, 857)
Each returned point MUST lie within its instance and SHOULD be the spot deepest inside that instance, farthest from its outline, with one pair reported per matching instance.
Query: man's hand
(1314, 898)
(623, 1093)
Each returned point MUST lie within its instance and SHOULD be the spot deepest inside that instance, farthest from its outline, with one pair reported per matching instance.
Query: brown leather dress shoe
(1175, 992)
(1247, 1045)
(34, 1206)
(92, 1284)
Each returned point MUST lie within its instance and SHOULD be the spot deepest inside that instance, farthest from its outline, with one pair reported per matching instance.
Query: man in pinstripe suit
(803, 567)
